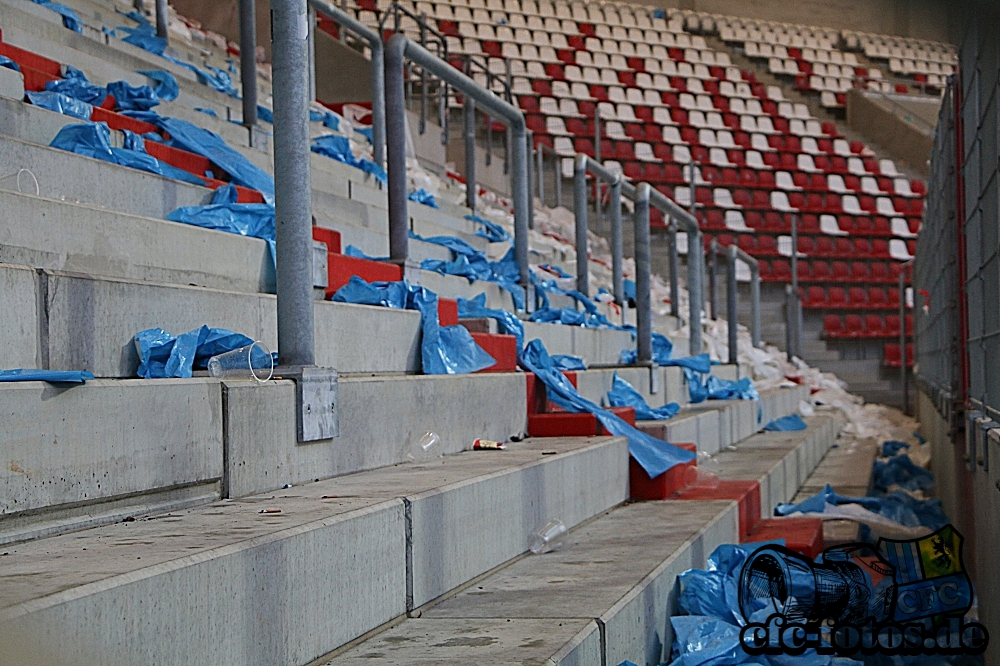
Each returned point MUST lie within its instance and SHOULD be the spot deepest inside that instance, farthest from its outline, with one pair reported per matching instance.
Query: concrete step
(319, 564)
(605, 597)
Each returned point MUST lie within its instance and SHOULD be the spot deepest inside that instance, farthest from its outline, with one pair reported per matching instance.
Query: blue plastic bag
(653, 455)
(568, 362)
(166, 85)
(338, 148)
(51, 376)
(789, 423)
(473, 265)
(162, 355)
(9, 64)
(623, 394)
(70, 19)
(144, 36)
(663, 350)
(424, 197)
(507, 321)
(207, 112)
(265, 114)
(444, 350)
(133, 98)
(60, 103)
(900, 470)
(707, 641)
(892, 447)
(715, 388)
(214, 78)
(200, 141)
(224, 214)
(828, 495)
(491, 231)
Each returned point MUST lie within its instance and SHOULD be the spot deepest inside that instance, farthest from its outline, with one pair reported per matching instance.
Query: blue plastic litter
(200, 141)
(424, 197)
(338, 148)
(507, 322)
(568, 362)
(663, 351)
(365, 132)
(653, 455)
(133, 98)
(207, 112)
(224, 214)
(491, 231)
(628, 286)
(329, 119)
(715, 388)
(707, 641)
(166, 85)
(473, 265)
(51, 376)
(265, 114)
(163, 355)
(892, 447)
(144, 36)
(77, 86)
(444, 350)
(900, 470)
(552, 268)
(623, 394)
(94, 140)
(353, 251)
(9, 64)
(60, 103)
(788, 423)
(828, 495)
(70, 19)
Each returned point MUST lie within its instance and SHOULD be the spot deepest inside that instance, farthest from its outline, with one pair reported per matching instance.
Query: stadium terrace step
(375, 536)
(605, 597)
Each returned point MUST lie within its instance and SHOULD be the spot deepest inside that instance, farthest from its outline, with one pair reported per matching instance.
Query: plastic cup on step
(548, 538)
(426, 447)
(250, 362)
(705, 474)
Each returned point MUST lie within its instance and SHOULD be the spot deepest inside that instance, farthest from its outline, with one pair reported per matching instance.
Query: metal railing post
(902, 342)
(643, 304)
(311, 49)
(713, 278)
(248, 61)
(789, 318)
(797, 321)
(162, 22)
(559, 180)
(292, 183)
(540, 154)
(580, 204)
(675, 302)
(617, 251)
(597, 135)
(755, 304)
(470, 152)
(529, 175)
(395, 131)
(732, 306)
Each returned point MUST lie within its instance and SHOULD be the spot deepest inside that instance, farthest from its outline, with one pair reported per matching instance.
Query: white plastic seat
(591, 75)
(805, 163)
(714, 120)
(828, 99)
(813, 128)
(899, 251)
(644, 152)
(835, 183)
(706, 137)
(901, 228)
(759, 142)
(779, 202)
(563, 145)
(684, 69)
(855, 166)
(828, 225)
(626, 113)
(810, 146)
(755, 160)
(851, 205)
(568, 107)
(536, 70)
(774, 93)
(694, 86)
(637, 97)
(883, 206)
(609, 77)
(697, 119)
(754, 108)
(748, 124)
(725, 139)
(615, 130)
(737, 106)
(735, 221)
(521, 86)
(682, 154)
(902, 187)
(841, 147)
(765, 125)
(584, 59)
(607, 110)
(575, 76)
(661, 82)
(784, 181)
(723, 198)
(672, 135)
(601, 60)
(555, 125)
(687, 101)
(560, 89)
(616, 94)
(548, 106)
(786, 110)
(797, 127)
(888, 168)
(869, 185)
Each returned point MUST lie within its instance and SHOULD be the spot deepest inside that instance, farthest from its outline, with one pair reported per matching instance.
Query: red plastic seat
(815, 297)
(824, 245)
(854, 326)
(765, 179)
(821, 271)
(879, 272)
(892, 355)
(782, 270)
(861, 247)
(877, 298)
(804, 269)
(857, 297)
(841, 272)
(893, 298)
(833, 326)
(767, 245)
(874, 326)
(859, 271)
(806, 245)
(892, 326)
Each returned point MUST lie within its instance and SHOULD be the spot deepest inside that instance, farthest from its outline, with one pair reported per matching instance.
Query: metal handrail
(398, 49)
(732, 254)
(374, 40)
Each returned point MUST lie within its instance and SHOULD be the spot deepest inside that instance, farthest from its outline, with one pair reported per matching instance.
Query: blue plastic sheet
(715, 388)
(77, 86)
(70, 19)
(60, 103)
(51, 376)
(200, 141)
(892, 447)
(628, 287)
(338, 148)
(215, 78)
(166, 85)
(568, 362)
(163, 355)
(207, 112)
(265, 114)
(788, 423)
(9, 64)
(507, 322)
(589, 317)
(143, 36)
(552, 268)
(329, 119)
(491, 231)
(473, 265)
(663, 351)
(818, 502)
(623, 394)
(424, 197)
(653, 455)
(707, 641)
(444, 350)
(224, 214)
(94, 140)
(900, 470)
(133, 98)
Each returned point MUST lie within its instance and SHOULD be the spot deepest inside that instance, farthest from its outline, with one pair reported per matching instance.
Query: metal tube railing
(903, 375)
(293, 185)
(374, 41)
(617, 252)
(162, 24)
(398, 49)
(675, 303)
(643, 302)
(248, 61)
(557, 171)
(582, 166)
(469, 108)
(580, 208)
(713, 270)
(732, 312)
(732, 254)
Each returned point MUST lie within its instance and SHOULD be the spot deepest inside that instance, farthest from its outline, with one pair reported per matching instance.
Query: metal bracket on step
(983, 427)
(317, 407)
(321, 278)
(654, 379)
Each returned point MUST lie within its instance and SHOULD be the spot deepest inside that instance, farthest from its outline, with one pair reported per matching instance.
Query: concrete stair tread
(617, 570)
(37, 569)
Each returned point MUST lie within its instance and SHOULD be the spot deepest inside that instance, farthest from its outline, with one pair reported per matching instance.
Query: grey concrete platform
(300, 571)
(617, 571)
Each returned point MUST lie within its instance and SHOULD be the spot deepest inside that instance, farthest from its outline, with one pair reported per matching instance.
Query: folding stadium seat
(879, 272)
(782, 270)
(875, 326)
(807, 144)
(783, 180)
(806, 245)
(853, 326)
(766, 245)
(841, 271)
(892, 355)
(860, 272)
(816, 297)
(833, 326)
(837, 298)
(887, 168)
(805, 163)
(747, 243)
(824, 246)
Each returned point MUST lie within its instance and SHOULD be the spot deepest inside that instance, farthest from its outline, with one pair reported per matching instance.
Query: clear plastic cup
(705, 474)
(548, 538)
(426, 447)
(250, 362)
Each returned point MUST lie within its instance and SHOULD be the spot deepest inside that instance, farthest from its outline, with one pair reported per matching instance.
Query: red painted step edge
(643, 487)
(803, 535)
(537, 400)
(745, 493)
(340, 269)
(448, 313)
(501, 347)
(117, 121)
(328, 236)
(26, 58)
(566, 424)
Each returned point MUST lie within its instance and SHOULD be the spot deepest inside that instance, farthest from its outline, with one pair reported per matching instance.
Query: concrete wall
(876, 120)
(342, 74)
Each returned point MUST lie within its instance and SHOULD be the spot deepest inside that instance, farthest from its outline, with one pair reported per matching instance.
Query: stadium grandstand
(490, 331)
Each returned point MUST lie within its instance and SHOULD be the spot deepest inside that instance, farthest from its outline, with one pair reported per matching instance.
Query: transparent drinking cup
(548, 538)
(250, 362)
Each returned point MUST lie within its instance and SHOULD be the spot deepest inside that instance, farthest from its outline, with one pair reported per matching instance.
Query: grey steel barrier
(162, 27)
(398, 49)
(733, 254)
(248, 62)
(582, 166)
(557, 160)
(374, 41)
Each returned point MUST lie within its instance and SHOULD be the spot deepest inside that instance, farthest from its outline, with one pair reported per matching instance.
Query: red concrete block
(34, 80)
(181, 159)
(117, 121)
(448, 312)
(566, 424)
(341, 268)
(803, 535)
(26, 58)
(501, 347)
(627, 414)
(745, 493)
(328, 236)
(537, 400)
(643, 487)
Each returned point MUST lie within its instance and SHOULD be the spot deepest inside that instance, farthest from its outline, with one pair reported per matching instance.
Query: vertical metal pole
(470, 152)
(311, 22)
(732, 306)
(395, 144)
(580, 204)
(248, 61)
(292, 183)
(162, 23)
(378, 103)
(510, 135)
(597, 136)
(902, 342)
(755, 306)
(713, 278)
(529, 168)
(696, 275)
(643, 304)
(796, 314)
(675, 301)
(423, 76)
(541, 173)
(789, 318)
(617, 250)
(559, 180)
(522, 204)
(489, 140)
